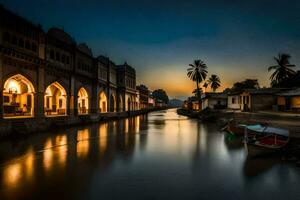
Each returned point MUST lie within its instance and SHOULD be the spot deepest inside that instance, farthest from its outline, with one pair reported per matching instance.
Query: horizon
(235, 40)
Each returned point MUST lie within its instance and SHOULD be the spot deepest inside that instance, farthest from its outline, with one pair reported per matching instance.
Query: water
(159, 156)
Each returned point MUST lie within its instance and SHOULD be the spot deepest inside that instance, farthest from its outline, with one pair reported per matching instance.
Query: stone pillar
(72, 99)
(39, 93)
(94, 99)
(1, 89)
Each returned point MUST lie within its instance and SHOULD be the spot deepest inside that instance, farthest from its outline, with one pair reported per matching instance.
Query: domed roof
(61, 35)
(85, 49)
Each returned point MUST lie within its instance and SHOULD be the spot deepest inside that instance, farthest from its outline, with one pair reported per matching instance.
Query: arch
(120, 103)
(112, 103)
(129, 102)
(83, 101)
(55, 100)
(102, 102)
(18, 97)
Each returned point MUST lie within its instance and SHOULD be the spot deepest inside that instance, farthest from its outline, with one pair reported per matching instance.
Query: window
(68, 60)
(6, 37)
(57, 56)
(27, 45)
(34, 47)
(21, 43)
(63, 58)
(52, 54)
(233, 100)
(14, 40)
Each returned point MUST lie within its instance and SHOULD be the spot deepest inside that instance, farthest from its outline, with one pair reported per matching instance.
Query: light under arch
(55, 100)
(102, 102)
(83, 101)
(18, 97)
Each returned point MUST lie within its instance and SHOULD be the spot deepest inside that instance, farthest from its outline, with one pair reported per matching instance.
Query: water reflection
(131, 154)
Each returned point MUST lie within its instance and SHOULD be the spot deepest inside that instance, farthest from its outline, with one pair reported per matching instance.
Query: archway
(55, 100)
(120, 104)
(128, 104)
(18, 97)
(102, 102)
(83, 101)
(112, 103)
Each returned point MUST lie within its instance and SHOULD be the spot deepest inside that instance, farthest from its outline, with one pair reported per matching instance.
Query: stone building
(143, 96)
(126, 81)
(22, 65)
(48, 75)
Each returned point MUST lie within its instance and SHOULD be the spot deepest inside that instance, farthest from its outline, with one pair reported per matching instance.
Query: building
(48, 75)
(233, 100)
(143, 96)
(126, 81)
(22, 66)
(214, 100)
(288, 100)
(260, 99)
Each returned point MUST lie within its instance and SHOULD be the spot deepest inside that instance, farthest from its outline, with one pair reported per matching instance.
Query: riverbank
(19, 127)
(290, 122)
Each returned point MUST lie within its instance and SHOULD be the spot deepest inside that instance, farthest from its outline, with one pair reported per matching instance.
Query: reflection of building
(47, 74)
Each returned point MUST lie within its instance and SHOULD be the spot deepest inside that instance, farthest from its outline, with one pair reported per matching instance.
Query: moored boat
(261, 140)
(234, 128)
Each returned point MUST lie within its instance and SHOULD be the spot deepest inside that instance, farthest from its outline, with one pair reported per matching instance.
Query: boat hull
(258, 151)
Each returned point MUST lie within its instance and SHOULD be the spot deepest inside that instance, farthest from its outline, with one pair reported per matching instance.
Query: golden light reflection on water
(83, 142)
(12, 174)
(61, 144)
(48, 154)
(103, 131)
(137, 124)
(19, 169)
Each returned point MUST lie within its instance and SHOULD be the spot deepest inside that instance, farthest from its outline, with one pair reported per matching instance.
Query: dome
(61, 35)
(85, 49)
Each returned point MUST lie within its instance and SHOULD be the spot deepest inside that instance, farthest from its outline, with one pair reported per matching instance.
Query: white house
(233, 101)
(214, 100)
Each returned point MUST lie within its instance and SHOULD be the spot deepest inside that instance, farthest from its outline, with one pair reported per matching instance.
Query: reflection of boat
(233, 142)
(261, 140)
(254, 166)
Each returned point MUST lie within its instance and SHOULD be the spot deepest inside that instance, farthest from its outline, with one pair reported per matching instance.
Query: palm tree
(197, 72)
(214, 82)
(282, 71)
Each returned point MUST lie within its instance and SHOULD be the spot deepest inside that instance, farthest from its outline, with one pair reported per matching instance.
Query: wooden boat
(261, 140)
(234, 128)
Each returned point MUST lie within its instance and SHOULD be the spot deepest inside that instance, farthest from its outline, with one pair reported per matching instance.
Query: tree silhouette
(214, 82)
(197, 72)
(283, 71)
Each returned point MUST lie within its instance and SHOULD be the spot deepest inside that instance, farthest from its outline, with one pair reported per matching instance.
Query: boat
(261, 140)
(234, 128)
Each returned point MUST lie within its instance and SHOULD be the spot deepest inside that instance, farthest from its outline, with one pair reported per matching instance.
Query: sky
(236, 39)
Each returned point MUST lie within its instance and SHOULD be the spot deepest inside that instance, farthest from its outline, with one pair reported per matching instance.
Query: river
(157, 156)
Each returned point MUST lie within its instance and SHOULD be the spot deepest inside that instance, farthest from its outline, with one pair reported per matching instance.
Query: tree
(197, 72)
(283, 71)
(246, 84)
(214, 82)
(161, 95)
(198, 92)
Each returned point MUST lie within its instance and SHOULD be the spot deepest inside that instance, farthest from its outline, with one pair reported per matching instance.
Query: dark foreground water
(159, 156)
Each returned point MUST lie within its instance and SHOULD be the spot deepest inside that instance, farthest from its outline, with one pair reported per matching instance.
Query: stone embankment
(24, 126)
(290, 122)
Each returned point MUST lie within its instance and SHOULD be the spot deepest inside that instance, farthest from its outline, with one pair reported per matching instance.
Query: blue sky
(237, 39)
